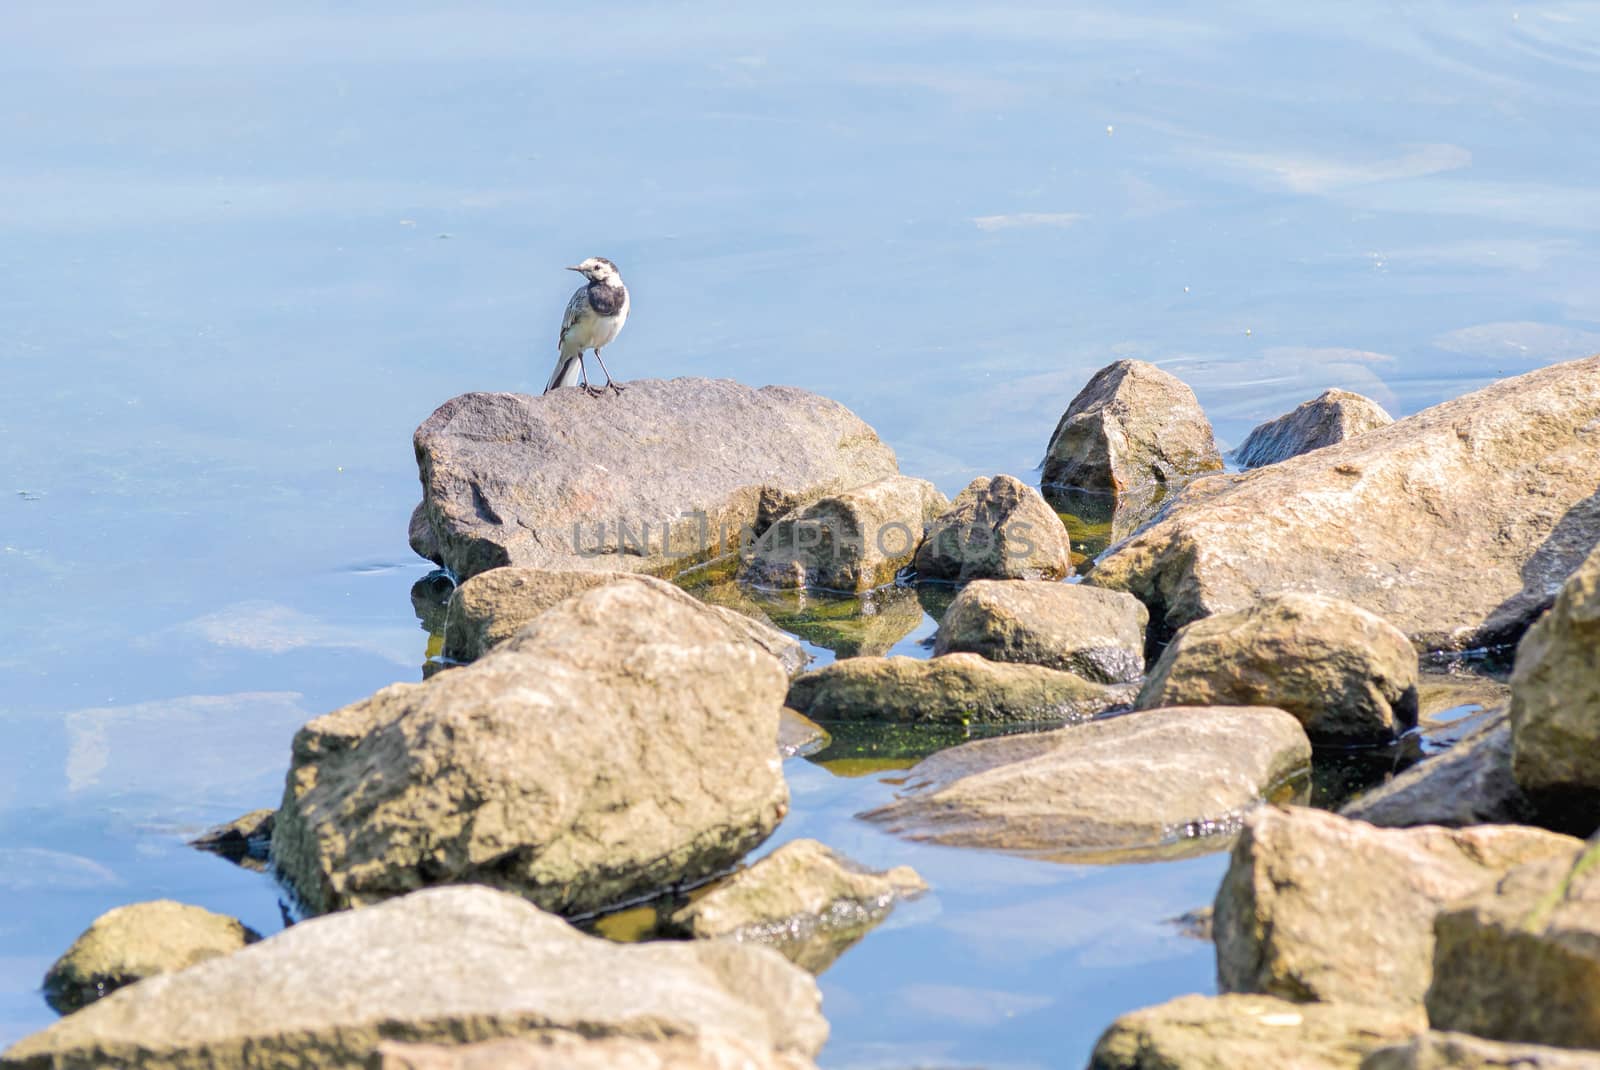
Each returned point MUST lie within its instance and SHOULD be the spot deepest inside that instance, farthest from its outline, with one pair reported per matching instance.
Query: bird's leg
(609, 381)
(583, 379)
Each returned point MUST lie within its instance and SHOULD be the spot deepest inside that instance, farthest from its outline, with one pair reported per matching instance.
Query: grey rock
(244, 840)
(1153, 784)
(437, 966)
(1132, 425)
(1457, 525)
(488, 773)
(1347, 674)
(137, 941)
(799, 735)
(492, 606)
(1095, 633)
(1520, 960)
(419, 534)
(1458, 1051)
(1555, 699)
(1319, 907)
(802, 900)
(568, 1051)
(1332, 416)
(950, 689)
(854, 540)
(997, 529)
(673, 469)
(1469, 784)
(1229, 1032)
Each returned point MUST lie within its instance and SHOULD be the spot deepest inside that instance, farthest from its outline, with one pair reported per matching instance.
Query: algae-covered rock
(867, 625)
(1330, 417)
(137, 941)
(491, 772)
(1148, 784)
(441, 966)
(1096, 634)
(1132, 425)
(1319, 907)
(1230, 1032)
(855, 540)
(997, 529)
(803, 900)
(950, 689)
(1348, 675)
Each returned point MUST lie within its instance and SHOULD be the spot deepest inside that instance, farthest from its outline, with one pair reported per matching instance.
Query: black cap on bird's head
(597, 269)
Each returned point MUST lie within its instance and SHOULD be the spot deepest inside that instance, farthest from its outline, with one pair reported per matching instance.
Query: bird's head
(597, 269)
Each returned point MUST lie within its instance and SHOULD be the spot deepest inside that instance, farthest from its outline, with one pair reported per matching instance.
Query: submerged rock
(868, 625)
(1132, 425)
(1153, 783)
(652, 480)
(999, 528)
(1318, 907)
(802, 900)
(1229, 1032)
(1458, 1051)
(489, 608)
(137, 941)
(1469, 784)
(1457, 525)
(855, 540)
(1555, 701)
(436, 966)
(1348, 675)
(243, 841)
(1332, 416)
(1520, 961)
(950, 689)
(490, 773)
(1097, 634)
(568, 1051)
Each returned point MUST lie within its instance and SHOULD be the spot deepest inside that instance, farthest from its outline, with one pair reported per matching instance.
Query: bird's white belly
(593, 332)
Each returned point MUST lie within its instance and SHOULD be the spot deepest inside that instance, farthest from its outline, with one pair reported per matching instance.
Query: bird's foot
(615, 389)
(592, 391)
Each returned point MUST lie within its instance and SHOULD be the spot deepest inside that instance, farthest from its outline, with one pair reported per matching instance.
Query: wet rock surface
(436, 966)
(1150, 784)
(1349, 676)
(1319, 907)
(1132, 425)
(1097, 634)
(855, 540)
(620, 743)
(998, 528)
(1520, 961)
(489, 608)
(803, 900)
(140, 940)
(511, 479)
(1459, 1051)
(1229, 1032)
(950, 689)
(1329, 418)
(1469, 784)
(244, 841)
(1457, 525)
(1555, 700)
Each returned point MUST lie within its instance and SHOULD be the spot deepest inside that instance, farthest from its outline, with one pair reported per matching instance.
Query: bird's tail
(566, 374)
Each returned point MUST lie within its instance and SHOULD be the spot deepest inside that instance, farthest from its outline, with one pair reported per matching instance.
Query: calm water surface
(243, 254)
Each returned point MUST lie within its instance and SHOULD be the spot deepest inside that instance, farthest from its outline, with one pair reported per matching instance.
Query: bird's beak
(575, 269)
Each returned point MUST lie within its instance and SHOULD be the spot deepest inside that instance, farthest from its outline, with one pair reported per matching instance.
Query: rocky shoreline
(595, 737)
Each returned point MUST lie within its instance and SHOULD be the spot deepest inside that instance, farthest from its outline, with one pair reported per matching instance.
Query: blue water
(244, 252)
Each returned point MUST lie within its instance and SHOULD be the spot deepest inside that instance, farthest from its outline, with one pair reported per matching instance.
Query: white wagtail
(595, 316)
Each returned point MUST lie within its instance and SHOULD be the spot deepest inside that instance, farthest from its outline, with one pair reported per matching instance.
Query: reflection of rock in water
(936, 598)
(430, 597)
(848, 625)
(1096, 520)
(860, 748)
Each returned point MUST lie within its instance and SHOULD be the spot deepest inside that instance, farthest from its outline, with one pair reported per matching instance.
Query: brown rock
(1469, 784)
(1133, 424)
(997, 529)
(1457, 525)
(569, 1051)
(1095, 633)
(1332, 416)
(1458, 1051)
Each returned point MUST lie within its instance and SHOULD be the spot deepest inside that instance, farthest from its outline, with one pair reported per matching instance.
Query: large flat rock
(444, 965)
(1461, 1051)
(1148, 784)
(619, 743)
(672, 469)
(1457, 525)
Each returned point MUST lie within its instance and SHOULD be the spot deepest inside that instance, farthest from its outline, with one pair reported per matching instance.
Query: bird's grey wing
(577, 308)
